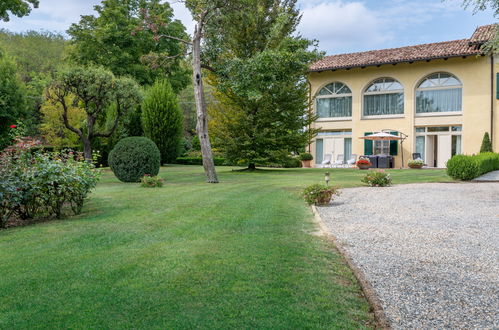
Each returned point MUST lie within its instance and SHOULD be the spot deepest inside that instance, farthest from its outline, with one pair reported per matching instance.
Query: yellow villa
(441, 97)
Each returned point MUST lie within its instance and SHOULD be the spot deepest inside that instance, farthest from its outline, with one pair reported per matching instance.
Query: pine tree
(486, 144)
(162, 120)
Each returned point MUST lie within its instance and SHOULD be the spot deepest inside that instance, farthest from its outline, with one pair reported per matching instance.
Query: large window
(384, 96)
(439, 92)
(334, 101)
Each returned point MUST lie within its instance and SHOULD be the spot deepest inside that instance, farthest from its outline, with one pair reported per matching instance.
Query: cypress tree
(486, 144)
(162, 120)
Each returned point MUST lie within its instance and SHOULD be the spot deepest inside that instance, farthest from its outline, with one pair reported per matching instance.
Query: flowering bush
(148, 181)
(39, 185)
(415, 163)
(319, 194)
(378, 178)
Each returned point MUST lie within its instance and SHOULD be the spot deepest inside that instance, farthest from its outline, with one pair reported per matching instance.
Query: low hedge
(463, 167)
(199, 161)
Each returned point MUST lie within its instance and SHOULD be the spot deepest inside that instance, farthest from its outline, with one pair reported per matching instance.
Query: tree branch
(175, 38)
(115, 124)
(209, 68)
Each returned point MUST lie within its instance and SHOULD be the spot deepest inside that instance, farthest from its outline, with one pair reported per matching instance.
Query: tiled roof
(483, 34)
(446, 49)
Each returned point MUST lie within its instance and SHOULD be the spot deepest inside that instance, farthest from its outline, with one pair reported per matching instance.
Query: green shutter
(497, 86)
(368, 145)
(394, 145)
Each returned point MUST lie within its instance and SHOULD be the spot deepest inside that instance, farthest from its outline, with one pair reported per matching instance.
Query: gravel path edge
(382, 321)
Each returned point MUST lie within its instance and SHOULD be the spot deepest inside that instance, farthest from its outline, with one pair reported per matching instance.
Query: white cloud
(340, 25)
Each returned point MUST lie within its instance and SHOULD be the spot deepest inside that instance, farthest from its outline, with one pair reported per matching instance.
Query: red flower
(363, 162)
(13, 126)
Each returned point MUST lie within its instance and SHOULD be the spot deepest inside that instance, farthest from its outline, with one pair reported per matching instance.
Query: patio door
(348, 148)
(319, 151)
(335, 147)
(444, 152)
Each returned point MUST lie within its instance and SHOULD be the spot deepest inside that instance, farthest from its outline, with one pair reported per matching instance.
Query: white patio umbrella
(384, 136)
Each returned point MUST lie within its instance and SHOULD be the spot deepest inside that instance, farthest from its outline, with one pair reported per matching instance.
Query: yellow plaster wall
(474, 73)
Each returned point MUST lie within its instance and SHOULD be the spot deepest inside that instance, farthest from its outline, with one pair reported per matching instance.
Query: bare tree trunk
(202, 116)
(87, 149)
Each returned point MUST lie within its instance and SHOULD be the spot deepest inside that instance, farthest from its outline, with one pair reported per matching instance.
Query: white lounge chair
(340, 161)
(327, 160)
(352, 160)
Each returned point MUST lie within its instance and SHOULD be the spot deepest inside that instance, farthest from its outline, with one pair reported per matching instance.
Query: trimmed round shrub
(134, 157)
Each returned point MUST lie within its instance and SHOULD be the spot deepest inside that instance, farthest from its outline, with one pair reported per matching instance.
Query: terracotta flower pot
(324, 198)
(363, 166)
(416, 166)
(306, 163)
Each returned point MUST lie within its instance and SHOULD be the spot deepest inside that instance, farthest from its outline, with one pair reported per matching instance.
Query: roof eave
(396, 62)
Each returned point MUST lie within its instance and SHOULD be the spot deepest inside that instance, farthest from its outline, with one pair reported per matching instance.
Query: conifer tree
(486, 144)
(162, 120)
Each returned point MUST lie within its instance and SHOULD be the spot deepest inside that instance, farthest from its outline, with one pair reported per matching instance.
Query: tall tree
(204, 13)
(260, 70)
(113, 39)
(18, 8)
(96, 90)
(162, 120)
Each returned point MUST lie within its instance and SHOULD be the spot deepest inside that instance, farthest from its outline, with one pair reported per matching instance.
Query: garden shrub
(134, 157)
(292, 162)
(148, 181)
(378, 178)
(319, 194)
(486, 144)
(306, 156)
(39, 185)
(463, 167)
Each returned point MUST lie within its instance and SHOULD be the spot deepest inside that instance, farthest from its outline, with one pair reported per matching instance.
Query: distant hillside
(36, 53)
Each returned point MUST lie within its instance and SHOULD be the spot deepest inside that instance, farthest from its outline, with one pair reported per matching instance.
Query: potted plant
(363, 163)
(319, 194)
(306, 159)
(415, 163)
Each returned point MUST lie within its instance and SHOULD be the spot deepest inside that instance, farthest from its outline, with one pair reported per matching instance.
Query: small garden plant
(320, 194)
(148, 181)
(378, 178)
(363, 163)
(415, 163)
(306, 156)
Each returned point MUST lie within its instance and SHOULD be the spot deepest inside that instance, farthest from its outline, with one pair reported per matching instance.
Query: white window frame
(332, 96)
(398, 91)
(437, 114)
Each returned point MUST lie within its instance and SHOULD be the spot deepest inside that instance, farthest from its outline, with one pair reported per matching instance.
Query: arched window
(334, 101)
(384, 96)
(439, 92)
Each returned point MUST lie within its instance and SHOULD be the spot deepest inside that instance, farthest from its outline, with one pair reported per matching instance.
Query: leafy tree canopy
(259, 71)
(18, 8)
(95, 90)
(116, 39)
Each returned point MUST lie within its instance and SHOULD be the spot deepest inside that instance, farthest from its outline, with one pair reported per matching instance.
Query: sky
(340, 26)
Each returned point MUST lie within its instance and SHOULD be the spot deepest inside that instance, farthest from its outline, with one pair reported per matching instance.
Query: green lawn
(239, 254)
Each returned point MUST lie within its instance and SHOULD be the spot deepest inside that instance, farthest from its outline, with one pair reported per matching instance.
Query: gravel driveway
(429, 250)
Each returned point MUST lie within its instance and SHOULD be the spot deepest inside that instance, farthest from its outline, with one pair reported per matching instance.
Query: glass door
(319, 151)
(348, 148)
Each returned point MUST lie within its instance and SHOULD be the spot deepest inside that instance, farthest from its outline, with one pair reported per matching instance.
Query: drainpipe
(492, 100)
(309, 111)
